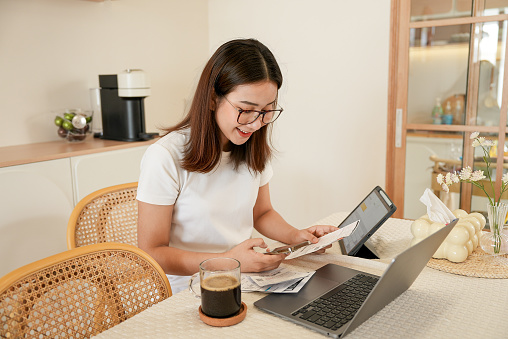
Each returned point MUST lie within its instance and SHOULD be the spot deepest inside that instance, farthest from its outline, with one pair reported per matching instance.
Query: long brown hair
(237, 62)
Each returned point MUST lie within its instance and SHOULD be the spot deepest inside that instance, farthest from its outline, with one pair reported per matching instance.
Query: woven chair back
(107, 215)
(79, 293)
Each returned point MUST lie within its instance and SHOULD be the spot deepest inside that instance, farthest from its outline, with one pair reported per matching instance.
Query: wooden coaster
(223, 322)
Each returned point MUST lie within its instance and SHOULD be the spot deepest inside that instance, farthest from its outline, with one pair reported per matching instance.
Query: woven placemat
(479, 264)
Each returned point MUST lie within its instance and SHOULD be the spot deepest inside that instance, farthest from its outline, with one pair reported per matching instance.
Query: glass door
(448, 73)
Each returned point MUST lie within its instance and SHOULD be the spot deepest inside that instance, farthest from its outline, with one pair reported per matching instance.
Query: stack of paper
(279, 280)
(283, 280)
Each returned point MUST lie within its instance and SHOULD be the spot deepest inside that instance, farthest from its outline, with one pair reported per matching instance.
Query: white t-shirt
(212, 212)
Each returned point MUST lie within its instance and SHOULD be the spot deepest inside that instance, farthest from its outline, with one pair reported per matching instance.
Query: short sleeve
(266, 175)
(159, 179)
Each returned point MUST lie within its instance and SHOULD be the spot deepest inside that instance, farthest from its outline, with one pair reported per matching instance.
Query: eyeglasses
(248, 116)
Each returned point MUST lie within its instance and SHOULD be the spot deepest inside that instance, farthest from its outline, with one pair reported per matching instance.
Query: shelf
(29, 153)
(455, 128)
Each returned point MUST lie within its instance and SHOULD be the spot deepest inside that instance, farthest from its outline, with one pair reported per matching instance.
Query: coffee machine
(122, 104)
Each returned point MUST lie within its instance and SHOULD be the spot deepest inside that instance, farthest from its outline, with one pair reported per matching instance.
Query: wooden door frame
(392, 85)
(398, 62)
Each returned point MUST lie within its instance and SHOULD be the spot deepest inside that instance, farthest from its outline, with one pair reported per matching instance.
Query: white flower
(440, 177)
(478, 142)
(445, 188)
(465, 174)
(455, 178)
(474, 177)
(448, 179)
(488, 143)
(505, 178)
(482, 142)
(477, 175)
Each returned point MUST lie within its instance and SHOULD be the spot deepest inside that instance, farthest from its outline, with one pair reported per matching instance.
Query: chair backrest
(107, 215)
(80, 293)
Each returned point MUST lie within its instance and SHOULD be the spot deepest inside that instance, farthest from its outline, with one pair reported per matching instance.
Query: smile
(244, 134)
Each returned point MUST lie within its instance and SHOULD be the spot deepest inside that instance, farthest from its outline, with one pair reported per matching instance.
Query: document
(284, 280)
(279, 280)
(325, 240)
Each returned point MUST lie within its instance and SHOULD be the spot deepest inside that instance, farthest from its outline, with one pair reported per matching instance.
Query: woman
(204, 185)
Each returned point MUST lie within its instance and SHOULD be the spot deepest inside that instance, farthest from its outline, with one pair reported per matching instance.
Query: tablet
(372, 212)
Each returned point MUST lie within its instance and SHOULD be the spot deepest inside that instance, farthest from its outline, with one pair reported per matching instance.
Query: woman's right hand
(252, 261)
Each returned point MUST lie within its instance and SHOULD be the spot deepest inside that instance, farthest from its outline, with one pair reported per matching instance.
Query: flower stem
(497, 215)
(493, 203)
(486, 159)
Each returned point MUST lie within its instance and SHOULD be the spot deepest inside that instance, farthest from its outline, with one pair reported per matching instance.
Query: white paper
(293, 286)
(325, 240)
(249, 286)
(276, 276)
(436, 209)
(279, 280)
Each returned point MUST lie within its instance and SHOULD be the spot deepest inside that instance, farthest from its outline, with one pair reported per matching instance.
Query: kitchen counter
(30, 153)
(42, 182)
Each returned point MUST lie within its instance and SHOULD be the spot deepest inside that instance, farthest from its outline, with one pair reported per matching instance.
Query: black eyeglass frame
(240, 111)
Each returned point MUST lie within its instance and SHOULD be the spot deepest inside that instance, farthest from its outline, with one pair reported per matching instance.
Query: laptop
(338, 299)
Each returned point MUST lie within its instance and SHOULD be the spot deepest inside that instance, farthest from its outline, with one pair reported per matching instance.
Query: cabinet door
(35, 205)
(95, 171)
(452, 53)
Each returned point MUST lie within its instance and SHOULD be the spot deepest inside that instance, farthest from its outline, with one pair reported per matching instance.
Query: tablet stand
(365, 252)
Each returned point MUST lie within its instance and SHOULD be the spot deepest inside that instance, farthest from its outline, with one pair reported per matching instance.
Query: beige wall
(52, 51)
(332, 134)
(333, 54)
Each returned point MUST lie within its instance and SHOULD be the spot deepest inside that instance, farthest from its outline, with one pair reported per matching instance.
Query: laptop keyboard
(337, 307)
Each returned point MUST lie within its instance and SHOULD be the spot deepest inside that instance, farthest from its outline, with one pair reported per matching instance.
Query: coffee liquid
(220, 296)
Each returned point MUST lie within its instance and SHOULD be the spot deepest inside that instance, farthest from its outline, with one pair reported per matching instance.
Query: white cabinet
(95, 171)
(35, 205)
(36, 200)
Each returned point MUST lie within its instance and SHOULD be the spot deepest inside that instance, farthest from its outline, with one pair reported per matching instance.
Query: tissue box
(462, 240)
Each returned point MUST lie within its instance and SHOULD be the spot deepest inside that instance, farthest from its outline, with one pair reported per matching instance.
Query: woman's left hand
(313, 233)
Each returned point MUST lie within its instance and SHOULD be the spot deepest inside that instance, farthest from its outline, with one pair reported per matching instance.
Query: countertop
(29, 153)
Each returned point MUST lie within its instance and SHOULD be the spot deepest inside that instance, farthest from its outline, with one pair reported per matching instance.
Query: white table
(437, 305)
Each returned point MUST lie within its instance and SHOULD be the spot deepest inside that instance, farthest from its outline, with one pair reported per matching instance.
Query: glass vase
(495, 242)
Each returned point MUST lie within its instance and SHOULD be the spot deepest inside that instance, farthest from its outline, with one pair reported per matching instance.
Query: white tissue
(436, 209)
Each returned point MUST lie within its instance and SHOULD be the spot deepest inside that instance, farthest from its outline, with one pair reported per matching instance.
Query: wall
(52, 52)
(333, 54)
(332, 135)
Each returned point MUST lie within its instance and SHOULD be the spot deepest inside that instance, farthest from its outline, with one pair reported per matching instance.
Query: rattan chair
(79, 293)
(107, 215)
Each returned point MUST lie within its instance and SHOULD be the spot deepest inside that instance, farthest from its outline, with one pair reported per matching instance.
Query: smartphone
(288, 249)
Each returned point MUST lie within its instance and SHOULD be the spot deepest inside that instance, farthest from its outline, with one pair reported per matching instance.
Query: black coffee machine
(122, 105)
